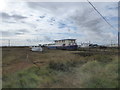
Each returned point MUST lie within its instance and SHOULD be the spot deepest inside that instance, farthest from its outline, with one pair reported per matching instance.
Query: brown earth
(15, 58)
(16, 67)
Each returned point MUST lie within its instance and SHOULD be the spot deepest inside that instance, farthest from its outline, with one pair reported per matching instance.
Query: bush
(60, 66)
(95, 75)
(22, 79)
(103, 58)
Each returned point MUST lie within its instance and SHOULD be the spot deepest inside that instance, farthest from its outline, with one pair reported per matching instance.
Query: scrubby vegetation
(66, 69)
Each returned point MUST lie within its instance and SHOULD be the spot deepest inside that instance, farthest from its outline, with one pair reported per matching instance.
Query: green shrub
(95, 75)
(22, 79)
(64, 65)
(103, 58)
(60, 66)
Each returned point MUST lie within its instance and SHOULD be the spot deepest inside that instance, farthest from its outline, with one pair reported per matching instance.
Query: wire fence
(33, 42)
(15, 42)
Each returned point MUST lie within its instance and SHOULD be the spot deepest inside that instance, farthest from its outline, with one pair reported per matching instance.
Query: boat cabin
(65, 42)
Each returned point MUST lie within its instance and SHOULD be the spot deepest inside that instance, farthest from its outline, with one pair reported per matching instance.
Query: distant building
(65, 42)
(112, 45)
(84, 44)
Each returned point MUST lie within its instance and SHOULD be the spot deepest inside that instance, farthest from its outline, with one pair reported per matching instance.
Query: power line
(101, 15)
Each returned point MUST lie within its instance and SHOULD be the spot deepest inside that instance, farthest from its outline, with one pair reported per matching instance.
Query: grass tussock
(95, 75)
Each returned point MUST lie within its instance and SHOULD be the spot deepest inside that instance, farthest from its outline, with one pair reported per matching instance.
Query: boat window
(63, 44)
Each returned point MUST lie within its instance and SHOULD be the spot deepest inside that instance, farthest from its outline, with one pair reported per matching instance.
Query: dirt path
(16, 67)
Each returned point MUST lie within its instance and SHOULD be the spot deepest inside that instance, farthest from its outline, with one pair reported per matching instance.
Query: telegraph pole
(118, 39)
(89, 46)
(111, 43)
(9, 42)
(89, 42)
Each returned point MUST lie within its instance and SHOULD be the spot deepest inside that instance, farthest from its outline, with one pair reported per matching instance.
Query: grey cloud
(19, 33)
(33, 25)
(7, 16)
(58, 8)
(18, 16)
(14, 33)
(6, 33)
(37, 5)
(23, 30)
(9, 21)
(83, 15)
(47, 38)
(41, 16)
(94, 25)
(88, 19)
(54, 5)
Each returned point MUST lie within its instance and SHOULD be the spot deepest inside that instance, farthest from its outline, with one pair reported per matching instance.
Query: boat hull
(71, 47)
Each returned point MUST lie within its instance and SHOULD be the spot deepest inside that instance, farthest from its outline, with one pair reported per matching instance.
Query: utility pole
(89, 42)
(89, 45)
(111, 43)
(9, 42)
(118, 38)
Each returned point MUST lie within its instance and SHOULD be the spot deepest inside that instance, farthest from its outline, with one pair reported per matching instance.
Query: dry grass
(16, 57)
(59, 68)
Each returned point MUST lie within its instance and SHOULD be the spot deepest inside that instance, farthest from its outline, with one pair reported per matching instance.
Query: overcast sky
(26, 23)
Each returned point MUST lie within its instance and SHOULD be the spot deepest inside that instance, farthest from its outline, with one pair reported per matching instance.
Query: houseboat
(64, 44)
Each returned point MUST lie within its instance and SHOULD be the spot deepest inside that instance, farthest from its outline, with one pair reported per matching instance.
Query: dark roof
(64, 39)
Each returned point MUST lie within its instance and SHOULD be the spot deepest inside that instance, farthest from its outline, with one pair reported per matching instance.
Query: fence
(15, 42)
